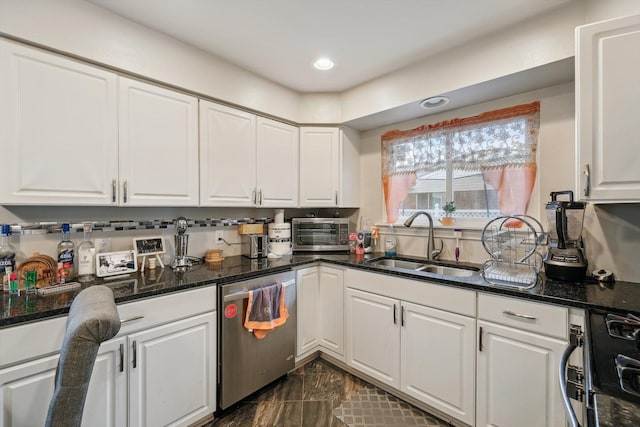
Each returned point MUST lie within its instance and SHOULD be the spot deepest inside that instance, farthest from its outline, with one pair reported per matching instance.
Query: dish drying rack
(512, 242)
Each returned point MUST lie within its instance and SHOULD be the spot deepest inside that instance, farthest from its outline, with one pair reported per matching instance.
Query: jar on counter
(352, 243)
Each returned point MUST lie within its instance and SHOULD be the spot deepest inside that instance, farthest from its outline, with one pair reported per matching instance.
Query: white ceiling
(279, 39)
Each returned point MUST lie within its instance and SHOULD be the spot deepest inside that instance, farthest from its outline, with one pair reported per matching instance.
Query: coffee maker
(565, 258)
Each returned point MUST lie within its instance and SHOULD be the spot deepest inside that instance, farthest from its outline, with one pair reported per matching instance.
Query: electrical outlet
(102, 245)
(218, 236)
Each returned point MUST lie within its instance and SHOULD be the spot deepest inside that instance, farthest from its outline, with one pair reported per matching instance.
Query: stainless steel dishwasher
(245, 363)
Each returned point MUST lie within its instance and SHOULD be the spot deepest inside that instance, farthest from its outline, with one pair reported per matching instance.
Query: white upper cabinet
(158, 146)
(329, 167)
(74, 134)
(227, 156)
(58, 130)
(277, 164)
(246, 160)
(607, 110)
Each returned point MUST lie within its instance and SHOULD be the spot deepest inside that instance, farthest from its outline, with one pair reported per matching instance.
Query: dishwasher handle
(245, 294)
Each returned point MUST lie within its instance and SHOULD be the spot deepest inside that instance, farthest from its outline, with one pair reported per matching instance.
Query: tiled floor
(316, 395)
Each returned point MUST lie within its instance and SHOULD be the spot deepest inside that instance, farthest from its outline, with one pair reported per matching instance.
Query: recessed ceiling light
(323, 64)
(434, 102)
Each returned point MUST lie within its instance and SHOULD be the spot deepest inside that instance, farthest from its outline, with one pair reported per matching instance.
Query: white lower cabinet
(373, 333)
(171, 372)
(517, 378)
(307, 282)
(26, 390)
(520, 344)
(425, 350)
(320, 303)
(437, 359)
(160, 370)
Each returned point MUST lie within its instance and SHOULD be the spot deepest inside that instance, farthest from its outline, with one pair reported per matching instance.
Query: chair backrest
(93, 318)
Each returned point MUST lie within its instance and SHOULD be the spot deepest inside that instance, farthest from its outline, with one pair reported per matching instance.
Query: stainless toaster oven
(320, 234)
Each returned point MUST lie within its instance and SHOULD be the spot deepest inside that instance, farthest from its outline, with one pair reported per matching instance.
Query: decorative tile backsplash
(126, 225)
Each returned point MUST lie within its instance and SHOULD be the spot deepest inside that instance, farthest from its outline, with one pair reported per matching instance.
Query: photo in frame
(116, 263)
(151, 247)
(145, 246)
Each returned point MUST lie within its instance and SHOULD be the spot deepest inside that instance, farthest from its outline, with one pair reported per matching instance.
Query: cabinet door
(158, 146)
(438, 360)
(373, 335)
(349, 187)
(277, 164)
(308, 283)
(331, 310)
(58, 130)
(227, 156)
(172, 376)
(517, 380)
(319, 158)
(607, 111)
(26, 390)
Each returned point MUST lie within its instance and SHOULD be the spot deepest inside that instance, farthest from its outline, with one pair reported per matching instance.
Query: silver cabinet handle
(132, 318)
(124, 190)
(522, 316)
(113, 190)
(260, 198)
(395, 315)
(587, 180)
(402, 316)
(135, 354)
(336, 197)
(480, 339)
(253, 196)
(121, 357)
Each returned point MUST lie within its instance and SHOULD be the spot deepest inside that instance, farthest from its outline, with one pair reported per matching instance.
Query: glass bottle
(86, 257)
(66, 253)
(7, 256)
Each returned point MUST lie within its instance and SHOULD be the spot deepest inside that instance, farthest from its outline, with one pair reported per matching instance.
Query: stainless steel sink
(449, 271)
(424, 266)
(398, 263)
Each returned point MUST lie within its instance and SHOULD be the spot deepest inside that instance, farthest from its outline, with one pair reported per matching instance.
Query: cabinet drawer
(443, 297)
(36, 339)
(31, 340)
(154, 311)
(536, 317)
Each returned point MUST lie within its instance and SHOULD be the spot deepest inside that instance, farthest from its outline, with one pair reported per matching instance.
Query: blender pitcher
(565, 220)
(565, 259)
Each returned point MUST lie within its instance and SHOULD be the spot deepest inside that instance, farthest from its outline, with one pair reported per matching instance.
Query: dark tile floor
(306, 397)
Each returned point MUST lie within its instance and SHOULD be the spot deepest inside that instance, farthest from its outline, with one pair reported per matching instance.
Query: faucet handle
(437, 252)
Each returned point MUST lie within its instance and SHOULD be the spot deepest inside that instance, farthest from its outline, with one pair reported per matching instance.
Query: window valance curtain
(501, 143)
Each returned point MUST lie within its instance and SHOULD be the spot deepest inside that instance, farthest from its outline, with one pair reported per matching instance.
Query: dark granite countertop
(616, 296)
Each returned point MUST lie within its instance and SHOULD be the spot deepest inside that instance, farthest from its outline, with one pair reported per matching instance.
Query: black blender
(565, 259)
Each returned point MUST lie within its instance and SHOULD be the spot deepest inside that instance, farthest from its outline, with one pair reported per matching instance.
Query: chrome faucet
(432, 253)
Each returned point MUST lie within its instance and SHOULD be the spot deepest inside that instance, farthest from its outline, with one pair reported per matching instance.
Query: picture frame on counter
(151, 247)
(116, 264)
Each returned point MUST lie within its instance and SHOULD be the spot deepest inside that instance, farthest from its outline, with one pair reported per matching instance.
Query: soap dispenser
(390, 243)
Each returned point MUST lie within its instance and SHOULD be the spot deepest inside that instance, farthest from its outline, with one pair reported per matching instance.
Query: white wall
(540, 41)
(88, 31)
(600, 10)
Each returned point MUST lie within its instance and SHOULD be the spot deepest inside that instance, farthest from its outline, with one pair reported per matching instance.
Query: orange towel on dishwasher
(266, 310)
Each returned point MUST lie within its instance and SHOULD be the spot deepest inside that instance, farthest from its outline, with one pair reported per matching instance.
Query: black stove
(615, 354)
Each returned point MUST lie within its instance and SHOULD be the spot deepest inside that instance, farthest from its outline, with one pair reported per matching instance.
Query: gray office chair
(93, 318)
